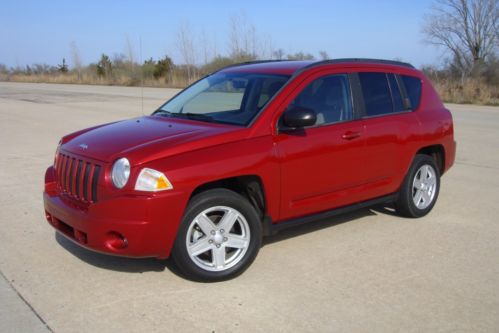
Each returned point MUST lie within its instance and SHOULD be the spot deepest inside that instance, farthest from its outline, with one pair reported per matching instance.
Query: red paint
(327, 167)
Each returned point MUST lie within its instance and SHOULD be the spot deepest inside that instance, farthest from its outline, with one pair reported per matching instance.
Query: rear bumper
(132, 226)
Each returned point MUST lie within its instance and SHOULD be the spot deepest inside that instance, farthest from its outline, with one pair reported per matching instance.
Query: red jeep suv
(247, 151)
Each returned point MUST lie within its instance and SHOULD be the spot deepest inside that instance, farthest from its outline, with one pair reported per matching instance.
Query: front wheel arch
(249, 186)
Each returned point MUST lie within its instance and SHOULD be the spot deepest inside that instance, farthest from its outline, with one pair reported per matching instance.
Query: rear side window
(413, 88)
(376, 91)
(398, 104)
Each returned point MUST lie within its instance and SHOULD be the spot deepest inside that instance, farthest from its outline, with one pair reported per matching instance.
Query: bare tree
(323, 55)
(129, 52)
(185, 45)
(301, 56)
(466, 28)
(207, 46)
(266, 47)
(204, 42)
(129, 59)
(279, 54)
(243, 40)
(75, 55)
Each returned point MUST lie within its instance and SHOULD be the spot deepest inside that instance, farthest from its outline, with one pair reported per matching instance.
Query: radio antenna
(141, 77)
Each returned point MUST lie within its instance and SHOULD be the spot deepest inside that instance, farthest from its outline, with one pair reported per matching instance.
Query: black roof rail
(321, 62)
(368, 60)
(252, 62)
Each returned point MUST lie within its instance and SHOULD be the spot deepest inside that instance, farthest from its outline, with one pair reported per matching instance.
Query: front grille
(77, 178)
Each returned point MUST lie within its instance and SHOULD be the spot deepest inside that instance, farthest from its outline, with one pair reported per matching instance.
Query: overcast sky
(42, 31)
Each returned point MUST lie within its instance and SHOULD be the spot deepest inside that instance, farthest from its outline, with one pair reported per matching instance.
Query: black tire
(196, 267)
(405, 204)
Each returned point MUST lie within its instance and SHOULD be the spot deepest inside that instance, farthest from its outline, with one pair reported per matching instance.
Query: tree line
(466, 31)
(198, 56)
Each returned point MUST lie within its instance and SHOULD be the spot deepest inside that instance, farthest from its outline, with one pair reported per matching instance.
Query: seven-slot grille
(77, 178)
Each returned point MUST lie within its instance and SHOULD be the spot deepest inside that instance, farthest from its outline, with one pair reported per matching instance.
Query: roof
(290, 67)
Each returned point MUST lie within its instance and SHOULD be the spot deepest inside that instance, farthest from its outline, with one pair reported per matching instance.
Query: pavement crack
(26, 302)
(477, 165)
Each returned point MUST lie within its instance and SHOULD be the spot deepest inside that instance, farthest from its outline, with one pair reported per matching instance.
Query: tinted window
(219, 97)
(233, 98)
(398, 105)
(376, 93)
(329, 97)
(413, 88)
(269, 88)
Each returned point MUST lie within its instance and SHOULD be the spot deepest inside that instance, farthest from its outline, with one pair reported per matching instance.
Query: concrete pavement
(16, 314)
(365, 271)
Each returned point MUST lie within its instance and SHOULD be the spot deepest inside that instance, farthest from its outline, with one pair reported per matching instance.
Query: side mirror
(298, 117)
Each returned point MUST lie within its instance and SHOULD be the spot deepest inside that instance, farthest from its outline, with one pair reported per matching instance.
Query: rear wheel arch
(437, 152)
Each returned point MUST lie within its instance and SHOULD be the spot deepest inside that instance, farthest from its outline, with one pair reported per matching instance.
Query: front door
(321, 165)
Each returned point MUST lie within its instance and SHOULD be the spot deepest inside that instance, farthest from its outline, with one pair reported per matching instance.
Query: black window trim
(359, 106)
(392, 93)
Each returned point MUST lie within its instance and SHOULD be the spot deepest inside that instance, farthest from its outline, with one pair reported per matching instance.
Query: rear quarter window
(413, 88)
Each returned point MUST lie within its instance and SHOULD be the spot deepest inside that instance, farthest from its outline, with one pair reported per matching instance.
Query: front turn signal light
(152, 181)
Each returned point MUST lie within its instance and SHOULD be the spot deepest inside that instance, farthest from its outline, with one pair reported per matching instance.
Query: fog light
(48, 216)
(116, 241)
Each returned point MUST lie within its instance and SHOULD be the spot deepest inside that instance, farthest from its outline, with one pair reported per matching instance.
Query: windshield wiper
(188, 115)
(194, 116)
(162, 113)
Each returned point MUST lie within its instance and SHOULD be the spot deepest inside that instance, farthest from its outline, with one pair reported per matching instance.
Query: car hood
(146, 138)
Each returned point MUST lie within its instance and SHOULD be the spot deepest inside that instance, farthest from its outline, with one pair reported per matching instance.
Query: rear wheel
(420, 189)
(219, 237)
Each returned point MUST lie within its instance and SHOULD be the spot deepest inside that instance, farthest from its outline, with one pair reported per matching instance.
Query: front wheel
(219, 236)
(420, 189)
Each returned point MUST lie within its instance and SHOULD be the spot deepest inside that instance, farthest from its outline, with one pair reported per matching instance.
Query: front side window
(233, 98)
(329, 97)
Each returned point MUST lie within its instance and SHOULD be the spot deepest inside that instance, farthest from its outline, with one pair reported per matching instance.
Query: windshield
(233, 98)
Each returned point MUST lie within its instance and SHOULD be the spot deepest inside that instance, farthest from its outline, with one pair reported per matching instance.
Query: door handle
(350, 135)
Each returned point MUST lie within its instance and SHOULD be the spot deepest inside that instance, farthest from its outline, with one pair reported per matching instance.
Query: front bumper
(132, 226)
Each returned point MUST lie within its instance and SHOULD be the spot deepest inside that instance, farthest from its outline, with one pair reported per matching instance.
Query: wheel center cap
(218, 238)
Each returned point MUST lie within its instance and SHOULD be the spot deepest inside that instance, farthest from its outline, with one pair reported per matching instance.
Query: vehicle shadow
(140, 265)
(386, 209)
(120, 264)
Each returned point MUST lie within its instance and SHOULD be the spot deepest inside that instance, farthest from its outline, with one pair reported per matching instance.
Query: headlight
(120, 172)
(152, 180)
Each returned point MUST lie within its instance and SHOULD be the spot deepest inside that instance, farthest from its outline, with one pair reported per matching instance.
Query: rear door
(388, 127)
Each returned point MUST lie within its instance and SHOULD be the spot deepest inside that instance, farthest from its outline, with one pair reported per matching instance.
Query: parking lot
(365, 271)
